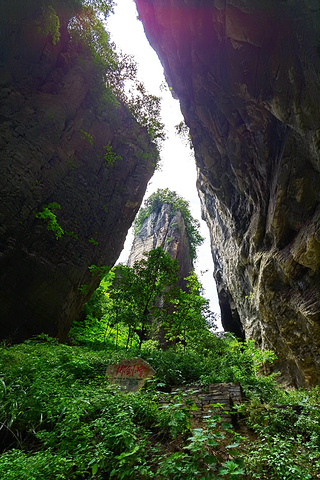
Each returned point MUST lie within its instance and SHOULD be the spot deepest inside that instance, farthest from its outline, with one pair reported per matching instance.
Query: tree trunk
(129, 335)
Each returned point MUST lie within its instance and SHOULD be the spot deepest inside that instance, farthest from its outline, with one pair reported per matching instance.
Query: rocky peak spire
(165, 227)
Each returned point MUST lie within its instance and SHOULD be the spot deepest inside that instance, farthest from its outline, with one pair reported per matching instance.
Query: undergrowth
(60, 419)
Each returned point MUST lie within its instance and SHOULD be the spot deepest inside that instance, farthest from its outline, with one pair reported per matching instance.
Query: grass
(60, 419)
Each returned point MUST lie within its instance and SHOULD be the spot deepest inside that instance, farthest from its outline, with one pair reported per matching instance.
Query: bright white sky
(178, 171)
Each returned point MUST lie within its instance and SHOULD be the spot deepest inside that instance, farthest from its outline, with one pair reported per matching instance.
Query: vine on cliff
(51, 23)
(117, 69)
(49, 216)
(87, 26)
(154, 204)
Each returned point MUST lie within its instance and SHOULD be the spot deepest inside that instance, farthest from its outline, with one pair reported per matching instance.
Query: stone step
(206, 397)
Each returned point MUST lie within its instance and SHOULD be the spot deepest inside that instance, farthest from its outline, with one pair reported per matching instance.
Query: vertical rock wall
(57, 129)
(246, 73)
(164, 228)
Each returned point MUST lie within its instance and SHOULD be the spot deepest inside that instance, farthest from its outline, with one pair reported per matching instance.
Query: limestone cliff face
(166, 229)
(61, 141)
(247, 76)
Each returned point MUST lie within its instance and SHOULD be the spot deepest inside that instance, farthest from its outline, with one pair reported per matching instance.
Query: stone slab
(130, 374)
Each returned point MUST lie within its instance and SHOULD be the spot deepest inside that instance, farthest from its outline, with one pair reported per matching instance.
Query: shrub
(50, 217)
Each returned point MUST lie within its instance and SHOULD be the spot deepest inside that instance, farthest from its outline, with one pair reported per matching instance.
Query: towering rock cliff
(246, 73)
(67, 143)
(164, 228)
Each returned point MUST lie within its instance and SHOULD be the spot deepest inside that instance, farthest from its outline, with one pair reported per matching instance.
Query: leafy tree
(185, 312)
(98, 304)
(86, 26)
(146, 300)
(184, 133)
(146, 109)
(118, 69)
(86, 21)
(137, 293)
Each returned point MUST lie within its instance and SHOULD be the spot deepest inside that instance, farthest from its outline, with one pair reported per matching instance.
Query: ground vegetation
(60, 419)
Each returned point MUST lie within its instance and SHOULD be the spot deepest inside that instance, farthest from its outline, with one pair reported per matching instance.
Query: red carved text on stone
(126, 370)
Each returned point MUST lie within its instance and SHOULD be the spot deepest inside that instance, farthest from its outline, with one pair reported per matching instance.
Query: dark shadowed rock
(57, 131)
(246, 73)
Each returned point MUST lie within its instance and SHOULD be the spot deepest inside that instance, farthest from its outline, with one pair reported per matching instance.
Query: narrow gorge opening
(177, 170)
(116, 371)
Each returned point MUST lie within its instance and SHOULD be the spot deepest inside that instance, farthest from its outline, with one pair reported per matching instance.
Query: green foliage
(207, 359)
(132, 305)
(240, 362)
(183, 131)
(137, 293)
(197, 458)
(93, 241)
(61, 419)
(101, 271)
(185, 318)
(174, 418)
(58, 403)
(154, 204)
(145, 298)
(112, 74)
(250, 296)
(102, 7)
(146, 109)
(49, 216)
(288, 440)
(84, 289)
(51, 23)
(110, 157)
(211, 359)
(71, 234)
(86, 27)
(86, 136)
(117, 71)
(278, 457)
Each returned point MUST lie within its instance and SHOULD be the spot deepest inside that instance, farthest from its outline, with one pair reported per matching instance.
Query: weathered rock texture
(164, 228)
(225, 394)
(50, 109)
(247, 76)
(130, 374)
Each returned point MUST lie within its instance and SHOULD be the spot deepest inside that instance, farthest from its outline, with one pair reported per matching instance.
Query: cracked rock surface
(56, 130)
(164, 228)
(246, 73)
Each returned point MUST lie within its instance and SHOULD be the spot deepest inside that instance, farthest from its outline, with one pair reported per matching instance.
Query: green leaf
(127, 454)
(233, 445)
(4, 386)
(212, 443)
(210, 459)
(94, 468)
(226, 426)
